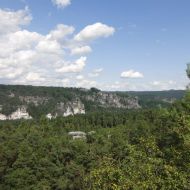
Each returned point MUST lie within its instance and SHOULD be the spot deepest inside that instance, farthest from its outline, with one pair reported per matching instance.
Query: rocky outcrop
(36, 100)
(3, 117)
(67, 108)
(49, 116)
(20, 113)
(61, 102)
(70, 108)
(77, 135)
(109, 99)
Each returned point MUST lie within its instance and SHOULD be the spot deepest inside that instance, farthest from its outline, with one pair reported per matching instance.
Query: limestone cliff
(20, 113)
(68, 108)
(111, 99)
(17, 102)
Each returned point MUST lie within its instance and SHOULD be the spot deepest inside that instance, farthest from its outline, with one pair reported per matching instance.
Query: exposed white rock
(3, 117)
(68, 112)
(77, 134)
(70, 108)
(108, 99)
(78, 108)
(11, 95)
(20, 113)
(49, 116)
(74, 133)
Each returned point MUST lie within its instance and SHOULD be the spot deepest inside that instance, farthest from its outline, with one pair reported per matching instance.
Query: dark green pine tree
(188, 70)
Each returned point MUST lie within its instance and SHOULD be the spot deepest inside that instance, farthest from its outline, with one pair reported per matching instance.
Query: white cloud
(79, 77)
(10, 73)
(144, 86)
(81, 50)
(65, 82)
(49, 46)
(22, 40)
(131, 74)
(32, 58)
(95, 73)
(73, 67)
(86, 83)
(172, 82)
(61, 3)
(60, 32)
(99, 70)
(34, 77)
(94, 31)
(12, 21)
(156, 83)
(165, 85)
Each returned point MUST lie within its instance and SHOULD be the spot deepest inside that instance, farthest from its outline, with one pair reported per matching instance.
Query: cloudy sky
(108, 44)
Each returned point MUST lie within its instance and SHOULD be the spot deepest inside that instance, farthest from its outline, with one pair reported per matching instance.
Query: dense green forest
(146, 149)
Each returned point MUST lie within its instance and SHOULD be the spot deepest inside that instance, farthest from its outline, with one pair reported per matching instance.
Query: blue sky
(109, 44)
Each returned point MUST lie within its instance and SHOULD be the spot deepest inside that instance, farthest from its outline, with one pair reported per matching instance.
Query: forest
(40, 100)
(144, 149)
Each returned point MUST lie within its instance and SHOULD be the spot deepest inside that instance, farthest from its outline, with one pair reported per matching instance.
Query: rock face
(106, 99)
(70, 108)
(57, 101)
(20, 113)
(36, 100)
(49, 116)
(3, 117)
(77, 135)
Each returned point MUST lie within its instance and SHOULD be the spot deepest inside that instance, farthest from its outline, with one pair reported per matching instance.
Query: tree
(188, 70)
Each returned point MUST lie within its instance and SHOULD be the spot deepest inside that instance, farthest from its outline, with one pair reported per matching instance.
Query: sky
(112, 45)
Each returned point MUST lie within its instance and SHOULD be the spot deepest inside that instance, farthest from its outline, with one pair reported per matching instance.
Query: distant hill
(34, 101)
(152, 99)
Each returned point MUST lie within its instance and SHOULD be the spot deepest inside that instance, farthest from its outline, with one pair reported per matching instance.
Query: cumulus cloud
(81, 50)
(61, 3)
(95, 73)
(131, 74)
(10, 73)
(49, 46)
(31, 76)
(166, 85)
(12, 21)
(144, 86)
(156, 83)
(32, 58)
(94, 31)
(75, 67)
(60, 32)
(86, 83)
(79, 77)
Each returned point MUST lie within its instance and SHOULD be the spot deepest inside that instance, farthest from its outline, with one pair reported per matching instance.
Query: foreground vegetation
(142, 149)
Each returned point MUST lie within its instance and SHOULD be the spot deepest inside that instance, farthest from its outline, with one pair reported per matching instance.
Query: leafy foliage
(139, 149)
